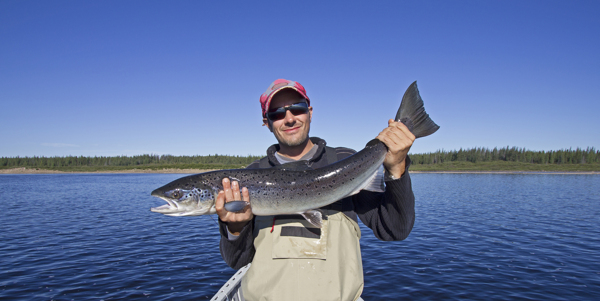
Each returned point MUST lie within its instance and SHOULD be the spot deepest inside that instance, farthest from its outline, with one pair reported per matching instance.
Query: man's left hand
(398, 140)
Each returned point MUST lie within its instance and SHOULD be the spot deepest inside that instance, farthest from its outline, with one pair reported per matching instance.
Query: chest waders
(296, 261)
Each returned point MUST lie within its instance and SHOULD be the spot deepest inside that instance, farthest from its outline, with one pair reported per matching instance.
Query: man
(292, 260)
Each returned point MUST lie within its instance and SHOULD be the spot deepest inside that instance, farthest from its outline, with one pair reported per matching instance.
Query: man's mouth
(292, 130)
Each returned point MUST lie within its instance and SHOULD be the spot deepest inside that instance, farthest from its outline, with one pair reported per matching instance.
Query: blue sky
(105, 78)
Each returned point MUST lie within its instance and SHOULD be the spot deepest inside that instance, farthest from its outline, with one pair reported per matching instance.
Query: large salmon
(293, 188)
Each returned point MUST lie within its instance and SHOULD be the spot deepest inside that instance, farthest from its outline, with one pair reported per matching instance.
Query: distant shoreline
(519, 172)
(22, 170)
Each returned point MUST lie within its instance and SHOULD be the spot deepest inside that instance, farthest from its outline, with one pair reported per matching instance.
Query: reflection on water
(476, 237)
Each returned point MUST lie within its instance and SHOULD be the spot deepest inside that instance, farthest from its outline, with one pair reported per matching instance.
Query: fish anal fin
(314, 217)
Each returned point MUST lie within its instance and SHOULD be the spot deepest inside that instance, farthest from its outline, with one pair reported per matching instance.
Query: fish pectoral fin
(235, 206)
(370, 184)
(314, 217)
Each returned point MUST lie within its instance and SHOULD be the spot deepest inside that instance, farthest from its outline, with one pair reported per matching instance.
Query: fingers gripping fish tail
(412, 113)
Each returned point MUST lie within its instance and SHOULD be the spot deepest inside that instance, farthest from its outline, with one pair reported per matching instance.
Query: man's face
(292, 130)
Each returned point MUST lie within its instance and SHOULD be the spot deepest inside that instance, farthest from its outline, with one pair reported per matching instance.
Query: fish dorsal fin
(413, 115)
(295, 166)
(314, 217)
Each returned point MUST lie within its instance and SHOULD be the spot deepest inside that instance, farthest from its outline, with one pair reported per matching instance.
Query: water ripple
(490, 237)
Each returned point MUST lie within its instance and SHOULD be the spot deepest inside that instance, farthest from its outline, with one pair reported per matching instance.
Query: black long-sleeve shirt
(390, 214)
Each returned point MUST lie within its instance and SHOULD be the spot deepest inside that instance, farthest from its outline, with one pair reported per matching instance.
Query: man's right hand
(235, 220)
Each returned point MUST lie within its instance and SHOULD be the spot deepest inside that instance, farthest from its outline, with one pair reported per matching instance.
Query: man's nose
(289, 117)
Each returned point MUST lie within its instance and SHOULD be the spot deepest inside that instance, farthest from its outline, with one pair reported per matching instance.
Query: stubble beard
(294, 141)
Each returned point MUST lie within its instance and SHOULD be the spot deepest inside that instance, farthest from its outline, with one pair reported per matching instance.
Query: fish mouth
(173, 208)
(170, 206)
(157, 193)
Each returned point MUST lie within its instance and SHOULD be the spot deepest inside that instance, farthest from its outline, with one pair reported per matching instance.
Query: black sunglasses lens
(296, 109)
(279, 114)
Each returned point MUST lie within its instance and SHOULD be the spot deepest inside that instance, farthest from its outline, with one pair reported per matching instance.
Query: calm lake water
(493, 237)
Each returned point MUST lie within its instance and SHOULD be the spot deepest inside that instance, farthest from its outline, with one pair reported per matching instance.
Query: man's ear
(267, 123)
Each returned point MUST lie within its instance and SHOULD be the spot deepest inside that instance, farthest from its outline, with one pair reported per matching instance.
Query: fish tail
(412, 113)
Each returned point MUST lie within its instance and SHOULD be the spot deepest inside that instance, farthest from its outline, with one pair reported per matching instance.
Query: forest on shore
(508, 159)
(152, 162)
(474, 159)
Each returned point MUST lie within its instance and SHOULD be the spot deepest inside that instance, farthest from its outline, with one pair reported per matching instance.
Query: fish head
(185, 200)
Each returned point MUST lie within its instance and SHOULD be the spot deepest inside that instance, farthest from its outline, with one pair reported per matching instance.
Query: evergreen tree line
(515, 154)
(566, 156)
(70, 161)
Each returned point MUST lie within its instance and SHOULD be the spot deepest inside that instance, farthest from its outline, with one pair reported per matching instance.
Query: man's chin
(292, 141)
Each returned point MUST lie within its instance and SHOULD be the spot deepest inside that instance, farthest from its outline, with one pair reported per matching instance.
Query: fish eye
(176, 194)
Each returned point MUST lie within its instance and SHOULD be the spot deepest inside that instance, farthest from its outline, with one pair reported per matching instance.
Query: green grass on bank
(504, 166)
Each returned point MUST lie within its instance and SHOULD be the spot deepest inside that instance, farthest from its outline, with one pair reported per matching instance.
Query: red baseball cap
(276, 86)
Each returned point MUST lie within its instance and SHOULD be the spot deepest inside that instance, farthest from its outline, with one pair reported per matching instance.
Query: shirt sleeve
(391, 214)
(240, 251)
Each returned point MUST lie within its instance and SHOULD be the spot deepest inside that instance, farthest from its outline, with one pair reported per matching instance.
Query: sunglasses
(296, 109)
